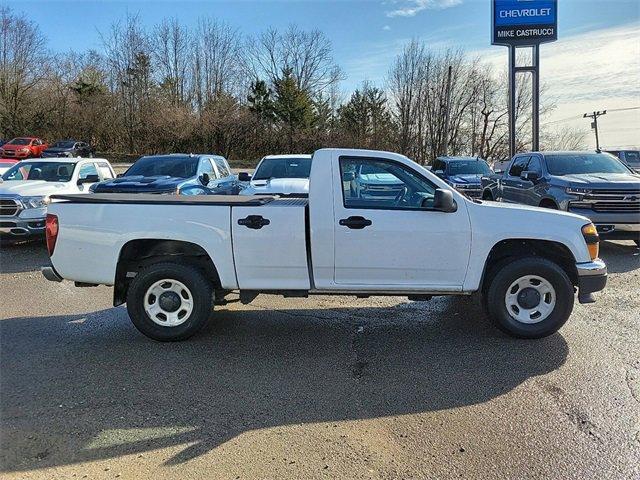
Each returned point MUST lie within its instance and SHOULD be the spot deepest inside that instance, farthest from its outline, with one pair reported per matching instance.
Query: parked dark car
(593, 184)
(462, 173)
(177, 173)
(69, 148)
(631, 158)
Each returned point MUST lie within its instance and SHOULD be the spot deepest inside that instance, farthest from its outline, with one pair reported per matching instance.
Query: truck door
(531, 191)
(385, 238)
(512, 183)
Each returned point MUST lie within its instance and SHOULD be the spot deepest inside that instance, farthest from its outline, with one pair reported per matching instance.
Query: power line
(575, 117)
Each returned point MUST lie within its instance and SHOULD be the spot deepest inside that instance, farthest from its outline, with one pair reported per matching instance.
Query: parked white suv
(26, 187)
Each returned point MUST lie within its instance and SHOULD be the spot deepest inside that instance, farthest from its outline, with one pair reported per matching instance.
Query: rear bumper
(592, 277)
(51, 274)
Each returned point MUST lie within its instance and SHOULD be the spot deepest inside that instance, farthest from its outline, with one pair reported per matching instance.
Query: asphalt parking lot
(318, 388)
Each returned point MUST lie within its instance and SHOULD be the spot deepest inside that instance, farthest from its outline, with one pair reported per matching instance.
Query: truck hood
(284, 186)
(34, 187)
(467, 178)
(139, 183)
(599, 180)
(378, 178)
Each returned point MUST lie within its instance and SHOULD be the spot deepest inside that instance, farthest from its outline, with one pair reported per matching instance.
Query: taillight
(51, 231)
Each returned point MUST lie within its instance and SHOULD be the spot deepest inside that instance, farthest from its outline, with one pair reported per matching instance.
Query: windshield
(293, 167)
(47, 171)
(632, 157)
(469, 167)
(581, 163)
(20, 141)
(64, 144)
(171, 166)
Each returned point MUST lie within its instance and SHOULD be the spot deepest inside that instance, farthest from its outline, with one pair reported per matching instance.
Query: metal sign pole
(535, 101)
(512, 101)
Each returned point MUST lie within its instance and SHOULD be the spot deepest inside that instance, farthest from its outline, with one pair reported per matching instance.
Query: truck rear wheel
(169, 301)
(530, 298)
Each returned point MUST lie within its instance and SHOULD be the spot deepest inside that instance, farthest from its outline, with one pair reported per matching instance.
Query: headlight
(35, 202)
(577, 191)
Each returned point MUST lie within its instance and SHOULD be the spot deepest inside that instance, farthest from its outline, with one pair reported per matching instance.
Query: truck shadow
(89, 387)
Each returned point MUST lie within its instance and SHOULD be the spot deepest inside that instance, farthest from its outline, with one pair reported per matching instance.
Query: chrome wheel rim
(168, 302)
(530, 299)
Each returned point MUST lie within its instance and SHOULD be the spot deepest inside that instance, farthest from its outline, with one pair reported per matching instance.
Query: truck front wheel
(530, 298)
(169, 301)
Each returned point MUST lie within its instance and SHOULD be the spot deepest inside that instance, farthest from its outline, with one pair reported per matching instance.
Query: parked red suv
(23, 147)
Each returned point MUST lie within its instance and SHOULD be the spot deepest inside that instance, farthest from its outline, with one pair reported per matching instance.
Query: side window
(87, 170)
(518, 166)
(534, 165)
(223, 167)
(207, 168)
(105, 171)
(437, 165)
(379, 183)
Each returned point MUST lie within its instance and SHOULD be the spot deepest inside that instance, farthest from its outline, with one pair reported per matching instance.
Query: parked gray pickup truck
(593, 184)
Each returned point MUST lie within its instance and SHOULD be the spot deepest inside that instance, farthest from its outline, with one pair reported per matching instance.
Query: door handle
(255, 222)
(356, 223)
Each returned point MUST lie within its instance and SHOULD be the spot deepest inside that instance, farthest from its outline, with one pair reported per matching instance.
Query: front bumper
(21, 227)
(14, 154)
(592, 277)
(612, 225)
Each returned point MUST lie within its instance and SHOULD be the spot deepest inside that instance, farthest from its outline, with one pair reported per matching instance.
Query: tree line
(209, 88)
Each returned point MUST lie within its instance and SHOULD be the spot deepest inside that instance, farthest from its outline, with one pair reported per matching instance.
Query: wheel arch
(509, 249)
(137, 254)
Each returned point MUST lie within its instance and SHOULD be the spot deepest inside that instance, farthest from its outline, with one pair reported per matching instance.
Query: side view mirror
(443, 201)
(348, 176)
(120, 175)
(439, 173)
(244, 177)
(530, 176)
(88, 179)
(204, 179)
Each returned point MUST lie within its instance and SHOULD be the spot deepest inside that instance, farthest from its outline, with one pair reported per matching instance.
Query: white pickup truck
(26, 187)
(172, 258)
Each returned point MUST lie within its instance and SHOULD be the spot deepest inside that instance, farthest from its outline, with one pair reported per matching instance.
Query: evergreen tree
(260, 100)
(292, 106)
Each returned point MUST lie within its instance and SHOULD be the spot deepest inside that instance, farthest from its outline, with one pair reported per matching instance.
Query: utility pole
(447, 114)
(594, 124)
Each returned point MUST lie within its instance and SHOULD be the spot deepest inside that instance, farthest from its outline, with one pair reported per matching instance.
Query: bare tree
(172, 47)
(217, 62)
(307, 54)
(23, 67)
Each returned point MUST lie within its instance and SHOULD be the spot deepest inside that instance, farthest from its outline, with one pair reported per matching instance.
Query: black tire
(202, 296)
(509, 273)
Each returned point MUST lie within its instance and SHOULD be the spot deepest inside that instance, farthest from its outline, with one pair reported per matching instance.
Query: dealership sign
(524, 22)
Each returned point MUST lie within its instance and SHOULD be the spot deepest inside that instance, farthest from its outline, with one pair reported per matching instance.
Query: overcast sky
(595, 65)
